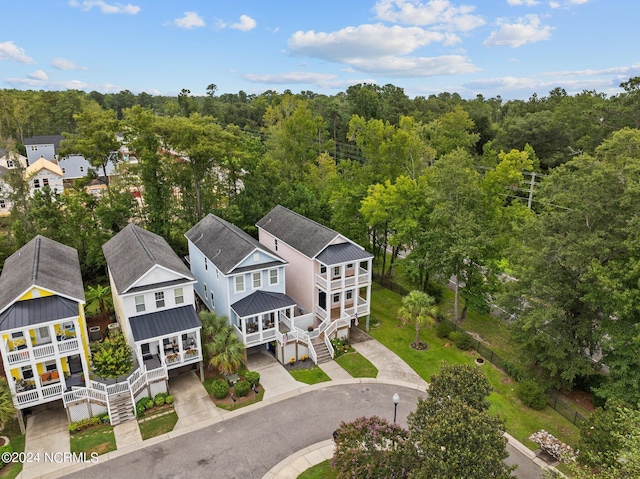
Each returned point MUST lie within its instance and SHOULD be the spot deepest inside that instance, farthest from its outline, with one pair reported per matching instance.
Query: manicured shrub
(8, 448)
(168, 399)
(461, 340)
(220, 389)
(531, 394)
(85, 423)
(253, 377)
(242, 388)
(148, 403)
(159, 400)
(140, 409)
(443, 330)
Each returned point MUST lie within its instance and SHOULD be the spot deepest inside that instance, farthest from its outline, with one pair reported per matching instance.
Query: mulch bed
(306, 364)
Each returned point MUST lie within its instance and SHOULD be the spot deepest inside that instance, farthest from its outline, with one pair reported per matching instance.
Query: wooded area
(545, 191)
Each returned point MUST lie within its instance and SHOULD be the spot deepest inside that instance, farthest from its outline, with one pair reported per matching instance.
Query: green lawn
(319, 471)
(312, 375)
(357, 365)
(521, 421)
(98, 439)
(155, 426)
(16, 440)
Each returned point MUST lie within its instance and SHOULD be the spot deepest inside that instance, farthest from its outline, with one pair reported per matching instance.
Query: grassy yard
(16, 440)
(357, 365)
(312, 375)
(521, 421)
(98, 439)
(154, 426)
(319, 471)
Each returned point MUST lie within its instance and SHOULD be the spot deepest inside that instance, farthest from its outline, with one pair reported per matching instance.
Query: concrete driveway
(191, 401)
(275, 379)
(47, 432)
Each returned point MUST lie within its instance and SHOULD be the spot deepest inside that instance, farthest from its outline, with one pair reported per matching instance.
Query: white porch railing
(27, 397)
(52, 390)
(44, 351)
(15, 357)
(69, 345)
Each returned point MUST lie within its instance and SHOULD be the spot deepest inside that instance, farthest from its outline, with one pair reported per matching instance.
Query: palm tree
(212, 325)
(226, 352)
(420, 308)
(7, 408)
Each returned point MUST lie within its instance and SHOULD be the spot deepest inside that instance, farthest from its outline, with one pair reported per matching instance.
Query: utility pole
(533, 182)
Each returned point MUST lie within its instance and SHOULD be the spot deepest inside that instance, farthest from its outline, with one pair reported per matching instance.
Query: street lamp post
(396, 400)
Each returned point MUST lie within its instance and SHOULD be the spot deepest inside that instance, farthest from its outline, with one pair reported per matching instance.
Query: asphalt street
(248, 445)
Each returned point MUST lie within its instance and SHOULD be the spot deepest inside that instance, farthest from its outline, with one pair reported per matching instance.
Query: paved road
(248, 445)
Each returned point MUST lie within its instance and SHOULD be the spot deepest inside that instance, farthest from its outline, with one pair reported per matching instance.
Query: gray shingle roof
(45, 140)
(299, 232)
(261, 302)
(224, 244)
(36, 311)
(342, 253)
(134, 251)
(45, 263)
(165, 322)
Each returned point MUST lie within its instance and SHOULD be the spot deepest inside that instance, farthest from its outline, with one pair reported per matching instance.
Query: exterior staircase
(121, 408)
(321, 350)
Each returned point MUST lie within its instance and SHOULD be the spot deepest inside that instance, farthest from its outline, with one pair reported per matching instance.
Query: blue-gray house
(239, 278)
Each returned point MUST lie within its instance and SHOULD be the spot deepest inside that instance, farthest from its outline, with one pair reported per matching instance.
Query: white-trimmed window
(36, 183)
(139, 304)
(17, 335)
(336, 298)
(45, 182)
(50, 366)
(257, 279)
(273, 277)
(323, 269)
(179, 295)
(27, 372)
(206, 264)
(275, 244)
(336, 270)
(213, 299)
(239, 283)
(205, 290)
(349, 294)
(160, 299)
(350, 266)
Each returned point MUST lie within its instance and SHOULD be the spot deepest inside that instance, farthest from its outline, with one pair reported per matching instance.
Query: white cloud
(189, 20)
(64, 64)
(526, 30)
(38, 75)
(245, 24)
(440, 14)
(528, 3)
(554, 4)
(364, 41)
(10, 51)
(105, 7)
(578, 2)
(415, 66)
(292, 77)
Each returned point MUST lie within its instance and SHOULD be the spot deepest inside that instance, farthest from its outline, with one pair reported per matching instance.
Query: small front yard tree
(223, 348)
(112, 357)
(420, 309)
(461, 381)
(99, 299)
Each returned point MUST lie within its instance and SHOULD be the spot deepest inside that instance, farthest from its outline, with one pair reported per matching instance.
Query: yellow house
(42, 323)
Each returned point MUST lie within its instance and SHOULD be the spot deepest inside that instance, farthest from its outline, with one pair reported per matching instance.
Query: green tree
(451, 131)
(95, 139)
(223, 348)
(466, 383)
(419, 309)
(112, 357)
(99, 299)
(7, 408)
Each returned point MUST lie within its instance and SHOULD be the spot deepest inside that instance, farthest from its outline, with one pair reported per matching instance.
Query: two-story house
(42, 323)
(153, 299)
(5, 192)
(329, 275)
(43, 173)
(239, 278)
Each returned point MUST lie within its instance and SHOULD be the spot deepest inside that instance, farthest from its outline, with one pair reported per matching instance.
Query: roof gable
(44, 263)
(45, 140)
(134, 251)
(43, 163)
(299, 232)
(226, 245)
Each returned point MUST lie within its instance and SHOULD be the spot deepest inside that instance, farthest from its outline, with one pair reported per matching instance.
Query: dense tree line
(543, 190)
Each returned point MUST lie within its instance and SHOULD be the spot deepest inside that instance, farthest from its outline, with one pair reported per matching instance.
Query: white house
(153, 299)
(12, 159)
(5, 192)
(43, 173)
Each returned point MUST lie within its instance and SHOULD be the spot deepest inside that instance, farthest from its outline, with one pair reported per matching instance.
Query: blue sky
(511, 48)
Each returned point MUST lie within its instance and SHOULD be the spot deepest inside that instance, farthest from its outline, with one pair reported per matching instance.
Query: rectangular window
(239, 284)
(10, 164)
(256, 257)
(17, 335)
(205, 290)
(179, 294)
(273, 276)
(206, 265)
(349, 294)
(160, 299)
(27, 372)
(213, 300)
(336, 298)
(45, 182)
(139, 304)
(50, 366)
(275, 244)
(257, 280)
(336, 270)
(350, 266)
(323, 269)
(36, 183)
